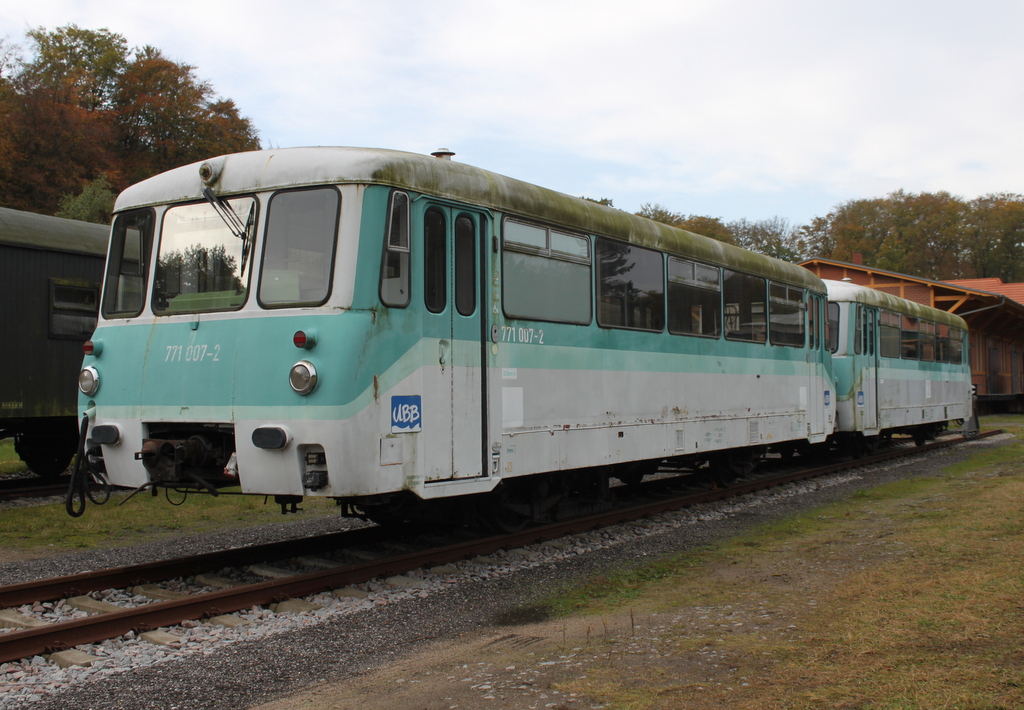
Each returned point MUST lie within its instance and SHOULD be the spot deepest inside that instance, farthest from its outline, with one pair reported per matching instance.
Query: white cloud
(738, 105)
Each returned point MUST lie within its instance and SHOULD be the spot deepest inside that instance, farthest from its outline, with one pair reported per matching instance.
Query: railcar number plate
(511, 334)
(192, 353)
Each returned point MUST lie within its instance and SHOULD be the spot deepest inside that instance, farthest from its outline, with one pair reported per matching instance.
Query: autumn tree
(85, 108)
(166, 117)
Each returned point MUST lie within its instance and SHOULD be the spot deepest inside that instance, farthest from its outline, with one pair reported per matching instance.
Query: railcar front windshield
(200, 265)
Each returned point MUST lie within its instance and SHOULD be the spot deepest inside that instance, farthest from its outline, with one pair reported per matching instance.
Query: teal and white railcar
(900, 366)
(384, 328)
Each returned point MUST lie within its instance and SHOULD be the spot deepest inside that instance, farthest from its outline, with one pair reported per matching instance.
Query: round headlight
(88, 381)
(302, 378)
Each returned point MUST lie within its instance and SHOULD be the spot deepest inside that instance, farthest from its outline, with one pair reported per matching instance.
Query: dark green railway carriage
(50, 272)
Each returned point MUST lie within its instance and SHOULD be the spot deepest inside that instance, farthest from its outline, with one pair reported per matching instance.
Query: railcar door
(454, 387)
(816, 368)
(870, 385)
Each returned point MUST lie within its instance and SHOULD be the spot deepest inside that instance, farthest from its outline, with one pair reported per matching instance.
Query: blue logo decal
(860, 399)
(406, 414)
(828, 398)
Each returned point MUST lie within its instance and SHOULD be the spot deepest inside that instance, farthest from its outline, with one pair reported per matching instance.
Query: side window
(131, 243)
(890, 332)
(786, 315)
(298, 250)
(832, 327)
(744, 307)
(814, 305)
(694, 298)
(73, 311)
(956, 346)
(545, 274)
(630, 286)
(941, 342)
(394, 270)
(435, 283)
(465, 265)
(909, 336)
(927, 338)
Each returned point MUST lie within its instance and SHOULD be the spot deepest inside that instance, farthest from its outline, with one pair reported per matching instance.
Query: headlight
(88, 381)
(302, 378)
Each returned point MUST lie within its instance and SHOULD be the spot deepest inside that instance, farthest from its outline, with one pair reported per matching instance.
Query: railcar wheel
(45, 459)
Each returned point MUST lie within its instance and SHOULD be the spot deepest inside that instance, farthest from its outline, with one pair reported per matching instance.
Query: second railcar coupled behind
(900, 366)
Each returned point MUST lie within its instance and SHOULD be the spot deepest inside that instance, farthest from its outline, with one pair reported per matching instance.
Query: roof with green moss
(301, 167)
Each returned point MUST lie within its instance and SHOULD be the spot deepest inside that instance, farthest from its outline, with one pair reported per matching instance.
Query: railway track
(661, 496)
(32, 487)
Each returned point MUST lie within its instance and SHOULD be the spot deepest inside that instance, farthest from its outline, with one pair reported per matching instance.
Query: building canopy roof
(999, 313)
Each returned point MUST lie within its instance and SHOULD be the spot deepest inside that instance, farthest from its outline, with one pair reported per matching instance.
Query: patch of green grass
(49, 528)
(9, 461)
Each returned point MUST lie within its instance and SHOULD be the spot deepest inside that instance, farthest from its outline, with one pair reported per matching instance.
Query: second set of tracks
(657, 496)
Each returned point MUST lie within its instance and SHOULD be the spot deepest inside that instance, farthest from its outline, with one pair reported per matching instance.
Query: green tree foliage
(707, 226)
(994, 231)
(83, 108)
(774, 237)
(931, 235)
(94, 204)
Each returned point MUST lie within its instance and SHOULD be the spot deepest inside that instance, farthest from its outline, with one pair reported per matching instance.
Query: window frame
(158, 243)
(265, 240)
(112, 285)
(629, 303)
(72, 309)
(401, 252)
(763, 339)
(546, 252)
(696, 285)
(801, 308)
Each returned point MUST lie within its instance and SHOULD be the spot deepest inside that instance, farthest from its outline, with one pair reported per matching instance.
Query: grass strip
(904, 597)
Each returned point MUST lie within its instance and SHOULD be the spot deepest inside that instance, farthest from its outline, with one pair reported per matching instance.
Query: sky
(736, 109)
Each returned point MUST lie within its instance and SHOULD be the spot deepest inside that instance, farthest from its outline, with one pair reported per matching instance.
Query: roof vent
(443, 154)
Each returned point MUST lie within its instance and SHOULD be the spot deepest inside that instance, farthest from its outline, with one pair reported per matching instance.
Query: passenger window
(694, 299)
(909, 337)
(298, 250)
(941, 342)
(394, 272)
(786, 315)
(832, 327)
(744, 307)
(630, 286)
(890, 332)
(465, 265)
(927, 340)
(131, 243)
(812, 322)
(545, 274)
(435, 283)
(956, 346)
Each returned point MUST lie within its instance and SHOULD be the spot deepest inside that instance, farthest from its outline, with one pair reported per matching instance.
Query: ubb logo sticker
(406, 414)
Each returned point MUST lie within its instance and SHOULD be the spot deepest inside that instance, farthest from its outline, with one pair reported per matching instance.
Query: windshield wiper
(228, 216)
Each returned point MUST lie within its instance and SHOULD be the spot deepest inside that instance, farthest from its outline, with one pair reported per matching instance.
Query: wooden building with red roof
(994, 312)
